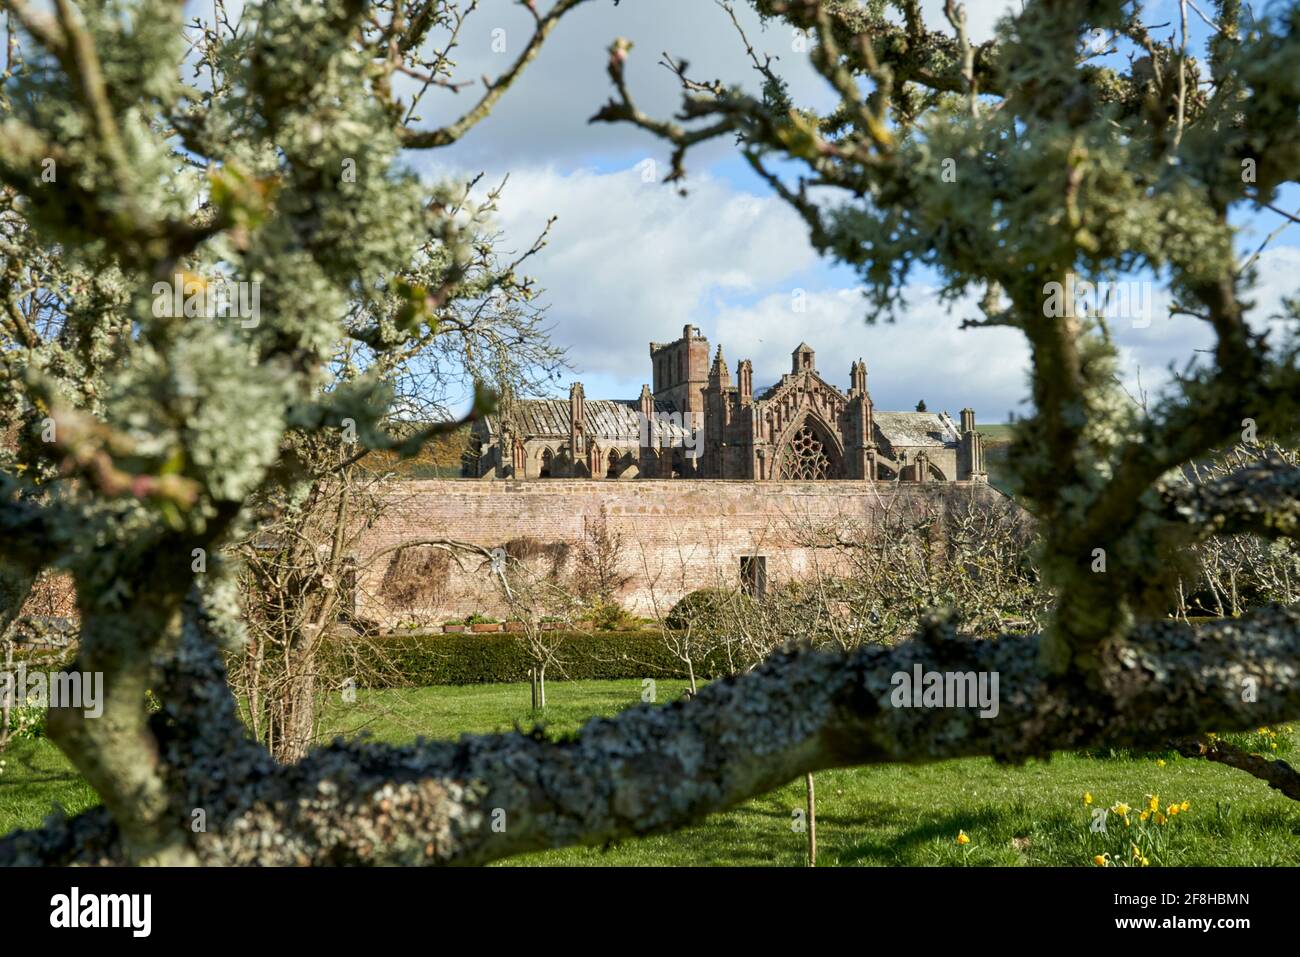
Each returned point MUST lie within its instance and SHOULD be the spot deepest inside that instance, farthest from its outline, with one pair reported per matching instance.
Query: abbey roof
(935, 429)
(605, 419)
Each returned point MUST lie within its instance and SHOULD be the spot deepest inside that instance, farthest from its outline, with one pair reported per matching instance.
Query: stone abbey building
(735, 493)
(696, 422)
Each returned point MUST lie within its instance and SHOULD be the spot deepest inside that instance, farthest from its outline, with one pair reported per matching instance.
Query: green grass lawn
(34, 776)
(1031, 815)
(997, 443)
(997, 434)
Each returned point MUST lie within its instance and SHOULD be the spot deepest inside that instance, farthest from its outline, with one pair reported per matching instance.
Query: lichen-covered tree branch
(146, 163)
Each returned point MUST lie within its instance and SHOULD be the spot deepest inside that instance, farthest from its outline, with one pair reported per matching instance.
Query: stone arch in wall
(546, 464)
(911, 470)
(612, 462)
(809, 451)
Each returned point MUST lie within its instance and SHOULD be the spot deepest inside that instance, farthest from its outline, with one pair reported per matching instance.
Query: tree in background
(1084, 168)
(164, 428)
(542, 603)
(204, 285)
(1235, 572)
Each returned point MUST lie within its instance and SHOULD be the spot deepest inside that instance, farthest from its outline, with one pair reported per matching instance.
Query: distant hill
(997, 443)
(440, 458)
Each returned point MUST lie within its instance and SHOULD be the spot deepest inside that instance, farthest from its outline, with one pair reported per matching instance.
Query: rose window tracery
(806, 457)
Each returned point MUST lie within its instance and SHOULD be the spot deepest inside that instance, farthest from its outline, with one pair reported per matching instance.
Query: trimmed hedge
(466, 659)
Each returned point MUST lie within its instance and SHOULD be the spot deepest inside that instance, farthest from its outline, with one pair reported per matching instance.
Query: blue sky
(631, 261)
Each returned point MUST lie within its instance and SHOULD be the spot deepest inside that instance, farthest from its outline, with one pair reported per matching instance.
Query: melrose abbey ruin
(696, 423)
(703, 482)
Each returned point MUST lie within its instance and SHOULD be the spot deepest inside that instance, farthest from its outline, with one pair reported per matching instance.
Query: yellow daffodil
(1160, 818)
(1153, 803)
(1185, 806)
(962, 838)
(1087, 798)
(1160, 763)
(1172, 810)
(1121, 809)
(1144, 815)
(1145, 862)
(1102, 860)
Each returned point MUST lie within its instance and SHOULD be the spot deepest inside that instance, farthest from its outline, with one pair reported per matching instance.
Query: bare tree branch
(654, 769)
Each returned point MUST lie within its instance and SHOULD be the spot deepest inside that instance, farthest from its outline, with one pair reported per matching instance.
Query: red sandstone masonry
(678, 534)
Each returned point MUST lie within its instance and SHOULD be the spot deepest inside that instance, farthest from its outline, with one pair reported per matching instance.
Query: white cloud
(924, 355)
(1279, 277)
(631, 261)
(981, 16)
(1147, 352)
(543, 117)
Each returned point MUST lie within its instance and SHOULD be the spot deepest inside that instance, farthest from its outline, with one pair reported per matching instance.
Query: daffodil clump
(26, 723)
(1124, 835)
(1265, 740)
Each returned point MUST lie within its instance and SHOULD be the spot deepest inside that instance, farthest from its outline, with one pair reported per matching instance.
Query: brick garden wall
(678, 535)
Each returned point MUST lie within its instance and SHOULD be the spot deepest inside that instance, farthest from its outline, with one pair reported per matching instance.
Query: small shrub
(707, 609)
(611, 616)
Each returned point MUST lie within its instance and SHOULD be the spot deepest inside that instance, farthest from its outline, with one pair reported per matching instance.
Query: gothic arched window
(611, 470)
(807, 457)
(548, 461)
